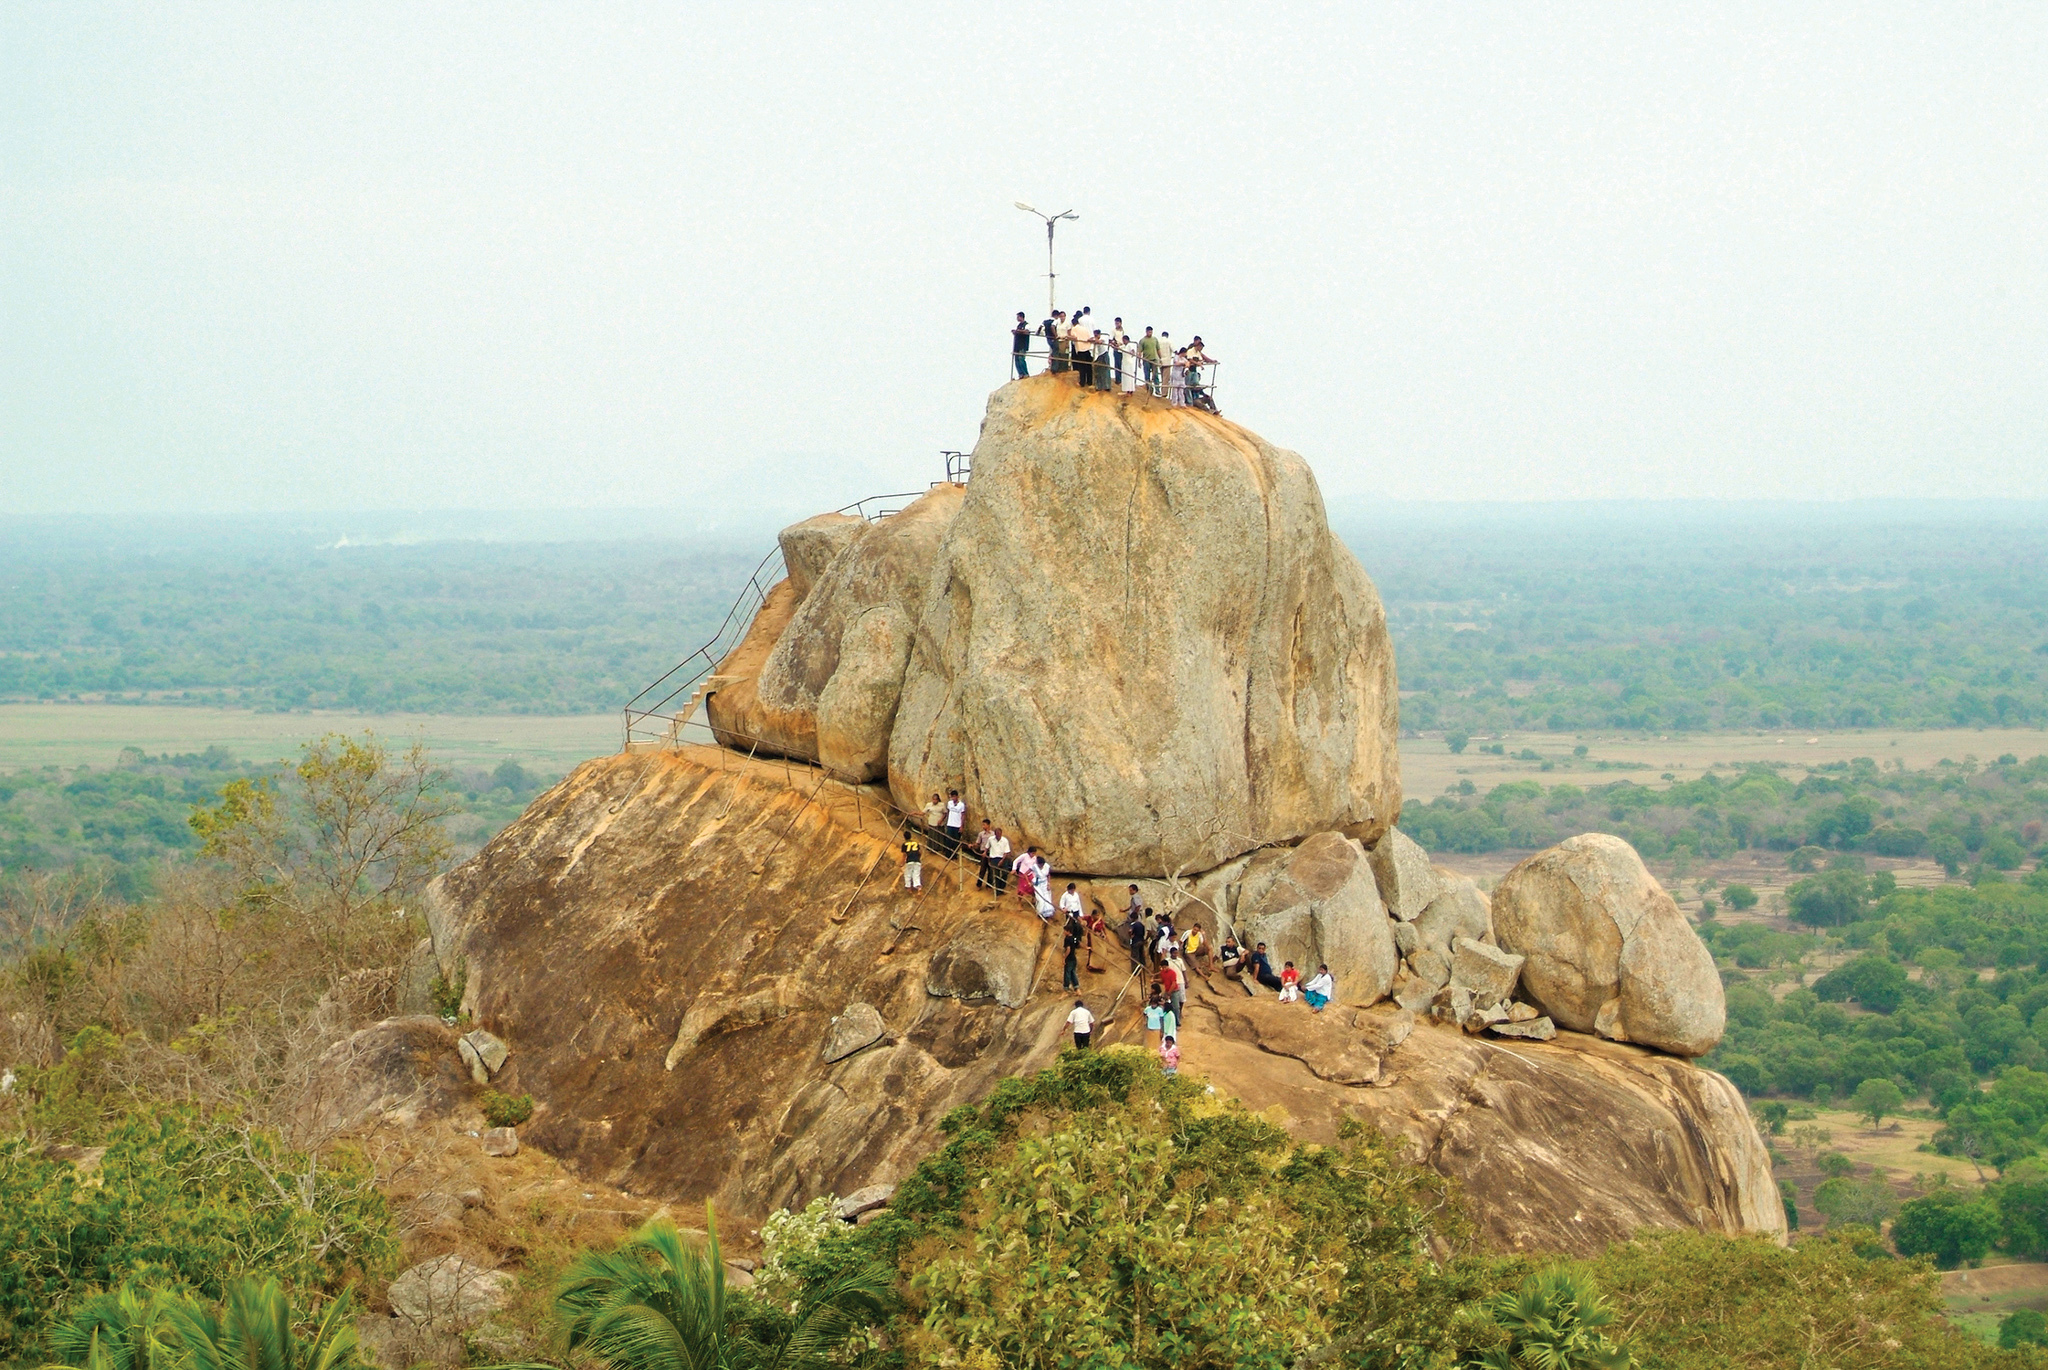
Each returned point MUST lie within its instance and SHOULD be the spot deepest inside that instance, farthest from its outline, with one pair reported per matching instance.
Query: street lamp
(1050, 219)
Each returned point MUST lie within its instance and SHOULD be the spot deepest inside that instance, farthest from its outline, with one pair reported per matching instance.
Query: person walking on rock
(1155, 1016)
(1083, 1024)
(956, 821)
(1169, 1055)
(934, 817)
(982, 840)
(1027, 873)
(1071, 940)
(997, 868)
(913, 861)
(1173, 980)
(1041, 890)
(1134, 935)
(1070, 901)
(1020, 345)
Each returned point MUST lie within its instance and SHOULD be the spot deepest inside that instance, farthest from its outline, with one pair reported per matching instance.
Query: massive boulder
(1608, 949)
(1142, 647)
(1318, 903)
(827, 690)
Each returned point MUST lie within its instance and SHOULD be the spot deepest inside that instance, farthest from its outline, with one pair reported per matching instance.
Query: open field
(1428, 767)
(94, 734)
(1978, 1299)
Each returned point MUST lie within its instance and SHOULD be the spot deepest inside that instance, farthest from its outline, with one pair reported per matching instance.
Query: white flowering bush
(788, 1237)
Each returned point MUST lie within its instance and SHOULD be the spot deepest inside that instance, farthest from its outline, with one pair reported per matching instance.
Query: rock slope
(709, 976)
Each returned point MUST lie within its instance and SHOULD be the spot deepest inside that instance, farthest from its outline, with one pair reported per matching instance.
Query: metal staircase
(653, 718)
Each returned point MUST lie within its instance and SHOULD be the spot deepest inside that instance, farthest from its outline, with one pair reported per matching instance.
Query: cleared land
(1428, 767)
(93, 734)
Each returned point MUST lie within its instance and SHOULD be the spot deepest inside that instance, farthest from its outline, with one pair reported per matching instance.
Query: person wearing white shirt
(956, 820)
(1083, 1024)
(1320, 989)
(998, 861)
(1070, 902)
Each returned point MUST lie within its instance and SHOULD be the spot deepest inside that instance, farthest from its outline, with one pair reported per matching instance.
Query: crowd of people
(1111, 359)
(1161, 953)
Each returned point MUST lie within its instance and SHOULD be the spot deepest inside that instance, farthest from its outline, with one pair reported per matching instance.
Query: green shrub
(446, 991)
(1949, 1225)
(1739, 897)
(187, 1198)
(505, 1110)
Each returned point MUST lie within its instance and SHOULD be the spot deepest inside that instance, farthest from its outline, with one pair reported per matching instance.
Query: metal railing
(650, 719)
(1179, 384)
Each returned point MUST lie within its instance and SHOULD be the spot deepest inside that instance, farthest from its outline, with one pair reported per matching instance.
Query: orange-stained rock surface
(665, 939)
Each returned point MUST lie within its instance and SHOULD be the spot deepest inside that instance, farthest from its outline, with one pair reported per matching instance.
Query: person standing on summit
(1055, 331)
(1020, 345)
(1148, 352)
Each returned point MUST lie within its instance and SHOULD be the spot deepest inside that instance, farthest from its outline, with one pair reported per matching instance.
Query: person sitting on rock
(1262, 970)
(913, 861)
(1320, 989)
(1290, 984)
(1083, 1024)
(1231, 958)
(1194, 946)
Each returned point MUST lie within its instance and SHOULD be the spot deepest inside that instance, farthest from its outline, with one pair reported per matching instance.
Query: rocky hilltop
(1132, 639)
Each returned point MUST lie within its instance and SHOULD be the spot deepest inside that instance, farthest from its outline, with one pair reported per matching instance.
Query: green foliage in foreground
(658, 1302)
(254, 1328)
(182, 1199)
(1098, 1213)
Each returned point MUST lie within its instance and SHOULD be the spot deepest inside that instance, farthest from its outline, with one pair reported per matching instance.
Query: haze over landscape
(1626, 718)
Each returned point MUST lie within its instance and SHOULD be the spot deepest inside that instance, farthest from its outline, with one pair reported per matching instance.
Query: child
(1169, 1056)
(1155, 1016)
(1290, 984)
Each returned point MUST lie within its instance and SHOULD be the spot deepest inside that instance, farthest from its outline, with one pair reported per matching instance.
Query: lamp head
(1026, 208)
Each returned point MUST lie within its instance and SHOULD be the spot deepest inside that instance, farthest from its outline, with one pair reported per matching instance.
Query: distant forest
(1566, 618)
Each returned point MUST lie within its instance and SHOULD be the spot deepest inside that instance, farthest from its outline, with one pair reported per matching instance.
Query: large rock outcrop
(713, 983)
(827, 689)
(1608, 949)
(1142, 647)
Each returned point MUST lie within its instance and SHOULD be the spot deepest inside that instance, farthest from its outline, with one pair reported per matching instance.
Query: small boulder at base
(1488, 972)
(1594, 925)
(448, 1294)
(857, 1026)
(501, 1141)
(993, 957)
(1533, 1029)
(1459, 910)
(864, 1200)
(488, 1048)
(1406, 879)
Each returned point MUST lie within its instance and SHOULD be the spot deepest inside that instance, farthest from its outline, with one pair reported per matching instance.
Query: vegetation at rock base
(1965, 815)
(254, 1327)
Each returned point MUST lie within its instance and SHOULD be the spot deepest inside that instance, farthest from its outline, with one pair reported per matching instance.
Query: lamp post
(1050, 219)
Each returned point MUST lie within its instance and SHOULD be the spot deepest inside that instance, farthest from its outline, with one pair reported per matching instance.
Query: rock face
(827, 690)
(1460, 909)
(669, 938)
(857, 1026)
(1316, 903)
(1607, 949)
(1142, 648)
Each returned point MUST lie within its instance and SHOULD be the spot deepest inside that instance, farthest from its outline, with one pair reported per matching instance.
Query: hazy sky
(499, 256)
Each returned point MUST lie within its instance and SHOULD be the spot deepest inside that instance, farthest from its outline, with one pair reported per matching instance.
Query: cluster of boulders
(1579, 937)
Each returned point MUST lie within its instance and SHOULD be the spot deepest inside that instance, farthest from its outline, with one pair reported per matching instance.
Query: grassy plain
(33, 735)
